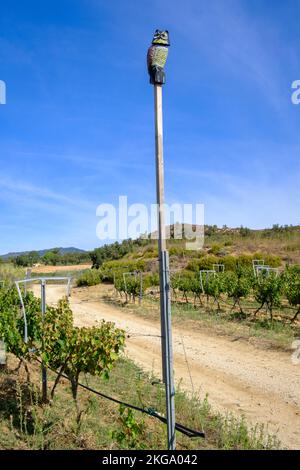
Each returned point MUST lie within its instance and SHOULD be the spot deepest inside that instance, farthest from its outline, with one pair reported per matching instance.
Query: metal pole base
(167, 349)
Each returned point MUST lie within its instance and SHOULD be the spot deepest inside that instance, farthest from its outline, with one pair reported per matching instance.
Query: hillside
(61, 251)
(279, 243)
(52, 257)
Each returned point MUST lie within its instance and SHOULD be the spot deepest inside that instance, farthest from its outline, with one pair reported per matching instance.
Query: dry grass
(56, 269)
(27, 424)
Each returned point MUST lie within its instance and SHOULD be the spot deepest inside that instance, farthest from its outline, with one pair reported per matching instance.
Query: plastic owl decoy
(157, 57)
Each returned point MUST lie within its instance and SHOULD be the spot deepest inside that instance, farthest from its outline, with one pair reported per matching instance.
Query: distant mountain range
(62, 251)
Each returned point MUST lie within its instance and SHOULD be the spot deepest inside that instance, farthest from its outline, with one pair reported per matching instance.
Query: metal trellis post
(44, 369)
(168, 347)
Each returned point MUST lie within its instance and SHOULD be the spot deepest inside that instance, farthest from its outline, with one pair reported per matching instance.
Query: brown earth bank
(53, 269)
(263, 385)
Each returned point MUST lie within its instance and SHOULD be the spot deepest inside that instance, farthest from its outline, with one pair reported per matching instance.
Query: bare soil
(263, 385)
(53, 269)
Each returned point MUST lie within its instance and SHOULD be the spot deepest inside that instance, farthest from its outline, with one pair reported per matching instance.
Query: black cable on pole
(148, 411)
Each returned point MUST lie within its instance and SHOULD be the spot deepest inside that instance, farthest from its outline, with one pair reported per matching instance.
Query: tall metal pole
(165, 302)
(44, 370)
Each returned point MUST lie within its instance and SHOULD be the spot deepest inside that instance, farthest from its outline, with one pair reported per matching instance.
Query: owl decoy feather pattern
(157, 57)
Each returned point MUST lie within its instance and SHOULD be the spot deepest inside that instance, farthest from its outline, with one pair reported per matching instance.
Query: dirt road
(263, 385)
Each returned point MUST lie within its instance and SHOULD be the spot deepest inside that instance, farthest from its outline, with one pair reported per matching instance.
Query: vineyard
(250, 290)
(132, 317)
(54, 340)
(92, 354)
(242, 290)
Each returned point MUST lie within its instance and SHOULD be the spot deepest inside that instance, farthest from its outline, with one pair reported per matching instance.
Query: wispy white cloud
(26, 192)
(242, 177)
(235, 43)
(35, 217)
(253, 183)
(123, 157)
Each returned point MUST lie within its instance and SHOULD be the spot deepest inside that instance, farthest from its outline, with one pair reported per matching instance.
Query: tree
(21, 260)
(114, 251)
(244, 231)
(33, 257)
(51, 257)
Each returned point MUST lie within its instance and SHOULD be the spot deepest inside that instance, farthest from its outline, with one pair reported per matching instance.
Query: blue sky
(77, 129)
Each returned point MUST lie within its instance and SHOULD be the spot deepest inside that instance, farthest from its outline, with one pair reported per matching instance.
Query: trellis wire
(149, 411)
(187, 363)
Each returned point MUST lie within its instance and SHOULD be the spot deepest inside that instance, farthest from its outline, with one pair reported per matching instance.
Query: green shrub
(244, 231)
(268, 290)
(214, 286)
(90, 277)
(292, 288)
(130, 285)
(238, 284)
(150, 252)
(56, 340)
(112, 269)
(270, 260)
(177, 251)
(245, 260)
(151, 280)
(12, 327)
(215, 249)
(230, 262)
(79, 350)
(205, 262)
(124, 265)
